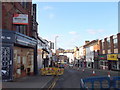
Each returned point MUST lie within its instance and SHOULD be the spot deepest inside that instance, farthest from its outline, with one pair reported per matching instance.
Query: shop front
(103, 63)
(119, 62)
(18, 55)
(113, 62)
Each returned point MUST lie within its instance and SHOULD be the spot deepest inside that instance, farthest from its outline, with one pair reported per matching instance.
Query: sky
(75, 22)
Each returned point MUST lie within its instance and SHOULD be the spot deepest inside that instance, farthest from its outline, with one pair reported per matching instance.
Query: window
(103, 45)
(115, 43)
(101, 62)
(18, 28)
(108, 44)
(106, 63)
(24, 4)
(22, 29)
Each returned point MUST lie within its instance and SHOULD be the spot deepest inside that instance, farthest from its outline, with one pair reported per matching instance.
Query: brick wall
(10, 8)
(100, 51)
(112, 44)
(118, 35)
(105, 45)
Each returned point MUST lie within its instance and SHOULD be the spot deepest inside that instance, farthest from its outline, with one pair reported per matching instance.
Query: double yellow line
(53, 83)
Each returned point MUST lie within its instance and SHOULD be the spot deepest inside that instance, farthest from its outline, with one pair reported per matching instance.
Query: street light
(56, 43)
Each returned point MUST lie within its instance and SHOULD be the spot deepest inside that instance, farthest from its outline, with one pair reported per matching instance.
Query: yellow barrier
(52, 71)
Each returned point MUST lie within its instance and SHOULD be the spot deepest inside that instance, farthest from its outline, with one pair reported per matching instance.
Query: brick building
(18, 40)
(109, 57)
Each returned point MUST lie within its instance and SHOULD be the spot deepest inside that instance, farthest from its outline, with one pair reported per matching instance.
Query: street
(71, 77)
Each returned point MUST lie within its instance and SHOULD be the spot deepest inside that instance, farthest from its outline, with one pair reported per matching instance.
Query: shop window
(101, 63)
(114, 65)
(106, 63)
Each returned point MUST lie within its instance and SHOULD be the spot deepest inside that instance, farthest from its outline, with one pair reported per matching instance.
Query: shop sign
(112, 57)
(20, 19)
(7, 37)
(25, 41)
(102, 57)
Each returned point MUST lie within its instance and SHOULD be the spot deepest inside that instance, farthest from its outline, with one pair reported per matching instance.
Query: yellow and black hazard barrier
(52, 71)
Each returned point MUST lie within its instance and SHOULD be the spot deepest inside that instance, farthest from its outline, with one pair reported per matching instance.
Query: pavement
(29, 82)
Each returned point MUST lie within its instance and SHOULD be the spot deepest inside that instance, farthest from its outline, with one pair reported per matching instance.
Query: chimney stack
(86, 42)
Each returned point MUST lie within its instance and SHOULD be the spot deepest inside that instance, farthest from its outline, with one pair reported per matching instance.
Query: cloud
(51, 15)
(72, 32)
(47, 8)
(93, 32)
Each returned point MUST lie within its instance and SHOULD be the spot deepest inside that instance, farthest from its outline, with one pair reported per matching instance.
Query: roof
(94, 41)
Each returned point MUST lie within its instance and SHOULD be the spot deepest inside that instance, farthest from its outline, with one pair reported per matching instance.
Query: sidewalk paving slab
(29, 82)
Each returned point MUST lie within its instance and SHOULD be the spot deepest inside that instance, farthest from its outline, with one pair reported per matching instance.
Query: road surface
(71, 77)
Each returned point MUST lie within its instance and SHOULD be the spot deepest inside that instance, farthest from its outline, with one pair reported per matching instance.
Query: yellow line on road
(53, 83)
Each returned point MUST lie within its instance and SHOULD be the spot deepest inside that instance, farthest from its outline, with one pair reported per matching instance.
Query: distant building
(82, 56)
(70, 55)
(76, 56)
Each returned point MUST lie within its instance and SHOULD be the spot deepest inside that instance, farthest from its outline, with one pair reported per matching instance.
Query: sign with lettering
(112, 57)
(20, 19)
(102, 57)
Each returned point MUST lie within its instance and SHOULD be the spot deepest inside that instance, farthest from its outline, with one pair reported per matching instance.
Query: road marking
(53, 83)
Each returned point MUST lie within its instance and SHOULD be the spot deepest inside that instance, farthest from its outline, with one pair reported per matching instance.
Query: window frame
(115, 42)
(21, 29)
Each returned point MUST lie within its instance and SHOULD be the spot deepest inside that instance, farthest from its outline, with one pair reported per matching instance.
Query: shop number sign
(112, 57)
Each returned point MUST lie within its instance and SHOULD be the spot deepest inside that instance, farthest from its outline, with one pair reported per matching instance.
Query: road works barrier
(100, 82)
(51, 71)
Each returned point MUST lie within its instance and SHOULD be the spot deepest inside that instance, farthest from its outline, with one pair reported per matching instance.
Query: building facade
(18, 45)
(91, 50)
(70, 55)
(76, 57)
(110, 48)
(82, 56)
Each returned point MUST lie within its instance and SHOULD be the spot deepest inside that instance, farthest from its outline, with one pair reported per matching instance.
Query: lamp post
(56, 44)
(56, 58)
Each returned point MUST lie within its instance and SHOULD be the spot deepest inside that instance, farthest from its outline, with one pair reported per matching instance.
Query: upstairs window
(22, 29)
(24, 4)
(115, 41)
(103, 45)
(108, 43)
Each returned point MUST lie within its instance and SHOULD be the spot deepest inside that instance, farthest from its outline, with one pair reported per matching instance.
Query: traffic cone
(93, 73)
(108, 74)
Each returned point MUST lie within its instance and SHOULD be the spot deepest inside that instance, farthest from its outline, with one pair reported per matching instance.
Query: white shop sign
(20, 19)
